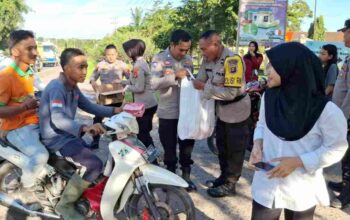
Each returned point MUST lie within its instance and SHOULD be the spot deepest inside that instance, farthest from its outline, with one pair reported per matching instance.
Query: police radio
(234, 70)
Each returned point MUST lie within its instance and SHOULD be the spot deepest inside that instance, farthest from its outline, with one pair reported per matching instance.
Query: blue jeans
(27, 140)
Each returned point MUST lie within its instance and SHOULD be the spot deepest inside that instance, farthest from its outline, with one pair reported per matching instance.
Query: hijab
(292, 109)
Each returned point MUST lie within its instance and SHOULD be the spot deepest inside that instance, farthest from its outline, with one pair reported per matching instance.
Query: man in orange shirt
(18, 107)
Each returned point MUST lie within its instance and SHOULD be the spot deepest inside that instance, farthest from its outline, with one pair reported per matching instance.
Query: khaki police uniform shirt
(108, 72)
(341, 93)
(139, 83)
(163, 69)
(212, 73)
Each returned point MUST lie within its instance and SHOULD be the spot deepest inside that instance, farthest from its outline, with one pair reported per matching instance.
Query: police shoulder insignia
(135, 72)
(234, 71)
(167, 63)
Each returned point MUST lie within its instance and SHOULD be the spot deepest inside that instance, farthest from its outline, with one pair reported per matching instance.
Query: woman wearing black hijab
(299, 132)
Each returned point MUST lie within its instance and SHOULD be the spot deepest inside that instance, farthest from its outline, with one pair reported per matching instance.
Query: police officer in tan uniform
(341, 97)
(168, 67)
(110, 70)
(232, 111)
(139, 83)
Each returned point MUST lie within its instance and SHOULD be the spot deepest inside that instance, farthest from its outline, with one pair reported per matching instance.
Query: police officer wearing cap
(168, 68)
(341, 97)
(232, 109)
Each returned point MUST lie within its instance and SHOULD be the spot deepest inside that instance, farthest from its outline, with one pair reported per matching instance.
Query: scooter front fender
(152, 175)
(126, 161)
(158, 175)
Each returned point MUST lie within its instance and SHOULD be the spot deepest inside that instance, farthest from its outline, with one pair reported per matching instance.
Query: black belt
(238, 98)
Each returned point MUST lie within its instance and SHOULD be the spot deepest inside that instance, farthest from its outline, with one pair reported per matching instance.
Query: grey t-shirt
(331, 75)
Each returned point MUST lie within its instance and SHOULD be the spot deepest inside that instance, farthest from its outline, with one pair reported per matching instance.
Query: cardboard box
(110, 94)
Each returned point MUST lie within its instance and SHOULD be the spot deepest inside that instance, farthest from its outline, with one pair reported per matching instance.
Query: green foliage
(158, 24)
(11, 17)
(317, 32)
(119, 37)
(297, 11)
(137, 18)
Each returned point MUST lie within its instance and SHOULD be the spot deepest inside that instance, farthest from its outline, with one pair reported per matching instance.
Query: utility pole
(315, 19)
(115, 23)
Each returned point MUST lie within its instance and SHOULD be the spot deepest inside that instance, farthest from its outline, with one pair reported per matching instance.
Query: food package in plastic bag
(197, 115)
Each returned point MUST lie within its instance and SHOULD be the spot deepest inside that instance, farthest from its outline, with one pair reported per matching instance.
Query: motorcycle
(129, 183)
(255, 90)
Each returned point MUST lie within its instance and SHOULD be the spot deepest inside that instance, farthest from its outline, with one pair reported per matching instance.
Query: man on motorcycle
(63, 135)
(18, 107)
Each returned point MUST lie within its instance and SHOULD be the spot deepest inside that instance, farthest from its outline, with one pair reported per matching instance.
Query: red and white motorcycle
(130, 182)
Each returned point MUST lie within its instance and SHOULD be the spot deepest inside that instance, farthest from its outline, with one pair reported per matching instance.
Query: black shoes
(335, 186)
(186, 171)
(217, 182)
(343, 200)
(226, 189)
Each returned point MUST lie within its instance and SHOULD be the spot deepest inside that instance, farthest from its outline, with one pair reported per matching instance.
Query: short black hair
(68, 54)
(19, 35)
(180, 35)
(134, 48)
(208, 34)
(110, 46)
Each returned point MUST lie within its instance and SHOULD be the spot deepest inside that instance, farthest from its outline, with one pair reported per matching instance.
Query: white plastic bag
(197, 115)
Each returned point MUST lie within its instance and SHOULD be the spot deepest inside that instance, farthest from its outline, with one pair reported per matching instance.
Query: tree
(159, 23)
(137, 18)
(198, 16)
(317, 32)
(296, 12)
(11, 17)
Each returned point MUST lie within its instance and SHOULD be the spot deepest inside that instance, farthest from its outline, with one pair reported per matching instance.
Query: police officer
(110, 70)
(341, 97)
(139, 83)
(232, 110)
(168, 67)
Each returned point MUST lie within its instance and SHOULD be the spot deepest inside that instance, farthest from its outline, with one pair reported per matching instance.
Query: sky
(94, 19)
(335, 12)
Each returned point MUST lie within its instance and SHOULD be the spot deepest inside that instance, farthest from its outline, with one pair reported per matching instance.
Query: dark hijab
(293, 108)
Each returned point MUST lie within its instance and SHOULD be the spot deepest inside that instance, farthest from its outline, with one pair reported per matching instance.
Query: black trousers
(260, 212)
(98, 119)
(345, 162)
(232, 140)
(145, 126)
(169, 139)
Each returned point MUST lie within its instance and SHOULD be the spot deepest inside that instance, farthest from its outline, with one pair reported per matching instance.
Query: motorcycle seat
(61, 165)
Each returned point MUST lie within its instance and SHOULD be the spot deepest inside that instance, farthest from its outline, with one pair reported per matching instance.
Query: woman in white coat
(299, 133)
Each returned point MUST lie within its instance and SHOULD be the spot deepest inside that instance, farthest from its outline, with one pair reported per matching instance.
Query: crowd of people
(299, 132)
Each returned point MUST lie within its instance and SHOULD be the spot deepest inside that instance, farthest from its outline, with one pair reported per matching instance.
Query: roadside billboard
(263, 21)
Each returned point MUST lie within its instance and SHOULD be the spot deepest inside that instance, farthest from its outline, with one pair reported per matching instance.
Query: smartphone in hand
(264, 166)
